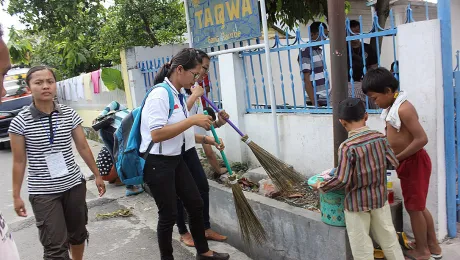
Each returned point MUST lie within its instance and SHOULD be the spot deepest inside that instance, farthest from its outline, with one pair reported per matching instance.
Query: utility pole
(339, 66)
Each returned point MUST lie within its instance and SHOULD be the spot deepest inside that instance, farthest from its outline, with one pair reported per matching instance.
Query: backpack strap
(171, 109)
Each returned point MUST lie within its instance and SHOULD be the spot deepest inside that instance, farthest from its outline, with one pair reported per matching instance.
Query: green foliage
(294, 12)
(20, 47)
(82, 35)
(112, 79)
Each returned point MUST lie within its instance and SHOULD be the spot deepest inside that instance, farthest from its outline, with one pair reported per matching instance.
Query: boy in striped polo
(361, 171)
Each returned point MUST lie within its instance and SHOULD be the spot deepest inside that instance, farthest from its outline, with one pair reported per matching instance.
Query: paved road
(119, 238)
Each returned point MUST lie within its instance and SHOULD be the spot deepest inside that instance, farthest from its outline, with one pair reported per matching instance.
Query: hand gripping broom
(283, 176)
(250, 226)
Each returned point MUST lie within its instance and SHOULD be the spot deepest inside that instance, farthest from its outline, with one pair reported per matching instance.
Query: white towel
(80, 88)
(67, 95)
(391, 114)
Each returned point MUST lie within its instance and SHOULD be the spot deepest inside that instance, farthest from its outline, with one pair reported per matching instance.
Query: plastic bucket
(331, 205)
(332, 208)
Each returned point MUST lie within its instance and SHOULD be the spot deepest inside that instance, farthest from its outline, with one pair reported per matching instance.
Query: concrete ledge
(294, 233)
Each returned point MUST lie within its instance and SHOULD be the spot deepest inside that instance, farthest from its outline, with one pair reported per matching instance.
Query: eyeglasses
(206, 70)
(195, 75)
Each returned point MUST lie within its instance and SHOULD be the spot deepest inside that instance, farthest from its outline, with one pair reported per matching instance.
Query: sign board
(219, 22)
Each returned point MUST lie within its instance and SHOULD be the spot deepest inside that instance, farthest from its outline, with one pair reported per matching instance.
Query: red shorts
(414, 173)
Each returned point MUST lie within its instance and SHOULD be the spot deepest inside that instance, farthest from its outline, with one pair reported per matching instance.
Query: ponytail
(164, 72)
(187, 58)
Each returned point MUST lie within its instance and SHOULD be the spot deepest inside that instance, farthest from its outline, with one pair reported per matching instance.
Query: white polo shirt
(155, 116)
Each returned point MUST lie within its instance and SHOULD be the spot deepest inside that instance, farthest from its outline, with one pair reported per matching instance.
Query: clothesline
(81, 87)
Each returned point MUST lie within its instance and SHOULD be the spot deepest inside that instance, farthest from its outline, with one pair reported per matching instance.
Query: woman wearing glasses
(195, 106)
(165, 171)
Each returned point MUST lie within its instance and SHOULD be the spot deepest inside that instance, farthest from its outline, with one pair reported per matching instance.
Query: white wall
(306, 140)
(455, 11)
(421, 76)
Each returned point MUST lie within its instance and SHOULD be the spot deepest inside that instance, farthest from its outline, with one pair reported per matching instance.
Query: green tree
(77, 36)
(141, 23)
(20, 47)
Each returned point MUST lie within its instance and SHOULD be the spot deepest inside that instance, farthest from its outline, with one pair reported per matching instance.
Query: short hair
(314, 27)
(354, 23)
(352, 110)
(377, 80)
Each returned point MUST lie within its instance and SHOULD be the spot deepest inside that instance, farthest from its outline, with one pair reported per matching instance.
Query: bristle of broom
(282, 175)
(250, 227)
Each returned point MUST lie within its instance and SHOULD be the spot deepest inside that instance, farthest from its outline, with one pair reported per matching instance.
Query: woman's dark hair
(202, 55)
(38, 68)
(377, 80)
(187, 58)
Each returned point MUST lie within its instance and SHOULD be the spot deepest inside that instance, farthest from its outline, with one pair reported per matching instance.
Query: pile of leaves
(302, 196)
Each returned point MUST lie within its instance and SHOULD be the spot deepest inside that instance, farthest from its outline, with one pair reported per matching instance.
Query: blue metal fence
(289, 78)
(150, 68)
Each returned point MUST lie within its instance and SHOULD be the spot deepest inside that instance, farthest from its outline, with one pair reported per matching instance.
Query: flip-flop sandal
(434, 256)
(409, 257)
(404, 241)
(378, 253)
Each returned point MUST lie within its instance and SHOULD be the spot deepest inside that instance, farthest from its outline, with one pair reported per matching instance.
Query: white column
(421, 76)
(233, 100)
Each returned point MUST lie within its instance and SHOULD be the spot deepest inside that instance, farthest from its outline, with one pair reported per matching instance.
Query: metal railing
(289, 75)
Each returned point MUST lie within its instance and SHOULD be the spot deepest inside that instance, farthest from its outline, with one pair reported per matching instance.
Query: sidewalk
(144, 208)
(451, 247)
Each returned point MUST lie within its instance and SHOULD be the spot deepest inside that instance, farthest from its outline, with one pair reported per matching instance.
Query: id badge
(56, 164)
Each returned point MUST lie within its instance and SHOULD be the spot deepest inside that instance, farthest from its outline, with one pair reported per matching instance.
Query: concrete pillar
(233, 101)
(132, 77)
(421, 76)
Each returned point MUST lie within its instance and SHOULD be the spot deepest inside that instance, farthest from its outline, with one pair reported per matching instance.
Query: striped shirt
(38, 128)
(121, 112)
(362, 170)
(312, 60)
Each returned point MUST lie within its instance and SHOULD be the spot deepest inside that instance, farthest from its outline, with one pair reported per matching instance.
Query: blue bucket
(331, 205)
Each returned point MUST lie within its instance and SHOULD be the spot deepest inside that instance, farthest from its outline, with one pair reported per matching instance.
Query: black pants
(196, 169)
(167, 178)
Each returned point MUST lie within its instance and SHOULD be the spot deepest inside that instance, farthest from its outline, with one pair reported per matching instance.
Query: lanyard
(181, 100)
(50, 134)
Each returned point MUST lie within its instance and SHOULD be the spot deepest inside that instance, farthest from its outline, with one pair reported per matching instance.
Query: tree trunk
(149, 30)
(382, 8)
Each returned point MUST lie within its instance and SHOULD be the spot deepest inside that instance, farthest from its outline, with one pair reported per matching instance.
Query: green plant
(112, 79)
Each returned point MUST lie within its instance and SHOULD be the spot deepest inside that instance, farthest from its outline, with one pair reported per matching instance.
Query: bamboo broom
(283, 175)
(250, 226)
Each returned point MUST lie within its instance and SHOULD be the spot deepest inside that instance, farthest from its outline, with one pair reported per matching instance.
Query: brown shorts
(61, 220)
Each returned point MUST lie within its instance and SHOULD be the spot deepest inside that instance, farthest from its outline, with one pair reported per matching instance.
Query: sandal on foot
(134, 191)
(378, 253)
(404, 241)
(213, 235)
(409, 257)
(187, 240)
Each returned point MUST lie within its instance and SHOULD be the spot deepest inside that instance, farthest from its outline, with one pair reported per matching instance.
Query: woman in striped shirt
(42, 134)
